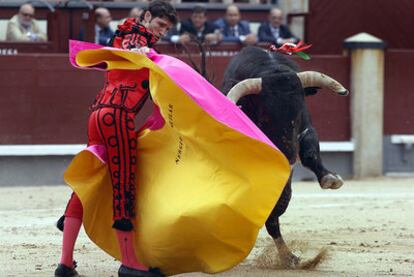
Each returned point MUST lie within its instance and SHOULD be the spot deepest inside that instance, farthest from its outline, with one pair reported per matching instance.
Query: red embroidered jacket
(127, 89)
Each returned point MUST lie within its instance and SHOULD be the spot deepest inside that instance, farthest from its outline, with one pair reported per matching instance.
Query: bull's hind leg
(287, 258)
(310, 157)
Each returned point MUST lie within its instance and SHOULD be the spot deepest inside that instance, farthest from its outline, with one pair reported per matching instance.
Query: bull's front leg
(287, 258)
(310, 157)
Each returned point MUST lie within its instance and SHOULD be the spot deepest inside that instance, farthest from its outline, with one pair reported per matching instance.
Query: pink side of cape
(195, 86)
(99, 151)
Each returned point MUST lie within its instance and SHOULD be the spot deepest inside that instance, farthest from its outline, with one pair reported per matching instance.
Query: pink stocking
(70, 233)
(129, 259)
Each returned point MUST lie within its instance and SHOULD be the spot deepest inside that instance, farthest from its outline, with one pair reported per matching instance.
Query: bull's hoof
(331, 181)
(289, 260)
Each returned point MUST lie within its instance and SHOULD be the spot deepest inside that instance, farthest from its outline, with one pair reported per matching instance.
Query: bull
(271, 92)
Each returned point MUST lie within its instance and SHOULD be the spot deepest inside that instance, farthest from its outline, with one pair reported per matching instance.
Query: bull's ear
(311, 90)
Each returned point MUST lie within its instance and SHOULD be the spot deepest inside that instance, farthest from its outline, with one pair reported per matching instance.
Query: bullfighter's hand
(142, 50)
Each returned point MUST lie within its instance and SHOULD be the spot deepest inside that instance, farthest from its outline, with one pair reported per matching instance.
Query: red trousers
(114, 128)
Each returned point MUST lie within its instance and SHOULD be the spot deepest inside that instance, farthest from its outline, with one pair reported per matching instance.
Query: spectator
(234, 29)
(198, 27)
(274, 31)
(103, 32)
(135, 12)
(23, 26)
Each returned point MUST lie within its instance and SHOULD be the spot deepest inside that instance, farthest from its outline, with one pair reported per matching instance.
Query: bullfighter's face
(158, 26)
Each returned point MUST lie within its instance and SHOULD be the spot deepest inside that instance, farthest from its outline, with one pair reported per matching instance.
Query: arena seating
(67, 20)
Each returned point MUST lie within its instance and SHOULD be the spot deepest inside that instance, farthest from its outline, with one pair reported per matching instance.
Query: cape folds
(207, 177)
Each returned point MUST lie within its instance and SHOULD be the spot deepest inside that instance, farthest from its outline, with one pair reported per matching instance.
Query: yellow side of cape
(203, 189)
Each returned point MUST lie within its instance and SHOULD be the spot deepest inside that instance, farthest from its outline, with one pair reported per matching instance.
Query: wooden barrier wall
(45, 101)
(399, 92)
(330, 22)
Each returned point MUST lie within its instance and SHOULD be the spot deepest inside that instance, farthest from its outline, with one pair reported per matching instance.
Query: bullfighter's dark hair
(162, 9)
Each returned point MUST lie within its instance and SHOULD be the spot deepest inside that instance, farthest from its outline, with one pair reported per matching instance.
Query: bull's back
(241, 64)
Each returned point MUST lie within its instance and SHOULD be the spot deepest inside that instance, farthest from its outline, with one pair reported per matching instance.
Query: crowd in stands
(229, 28)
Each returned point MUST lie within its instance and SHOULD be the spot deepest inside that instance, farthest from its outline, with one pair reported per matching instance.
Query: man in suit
(197, 27)
(234, 29)
(274, 31)
(103, 31)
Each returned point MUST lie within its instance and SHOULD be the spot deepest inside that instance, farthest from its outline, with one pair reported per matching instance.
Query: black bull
(272, 95)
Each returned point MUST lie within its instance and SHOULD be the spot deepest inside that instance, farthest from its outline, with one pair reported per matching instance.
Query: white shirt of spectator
(275, 32)
(200, 33)
(234, 31)
(97, 30)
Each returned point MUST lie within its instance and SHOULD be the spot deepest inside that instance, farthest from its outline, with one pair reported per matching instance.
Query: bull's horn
(317, 79)
(245, 87)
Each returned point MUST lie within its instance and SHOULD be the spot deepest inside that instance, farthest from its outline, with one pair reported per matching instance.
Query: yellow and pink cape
(207, 177)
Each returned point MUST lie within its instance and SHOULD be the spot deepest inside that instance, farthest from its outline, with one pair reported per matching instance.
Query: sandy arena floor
(367, 229)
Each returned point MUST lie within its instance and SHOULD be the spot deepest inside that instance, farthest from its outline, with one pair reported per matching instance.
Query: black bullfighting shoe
(130, 272)
(65, 271)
